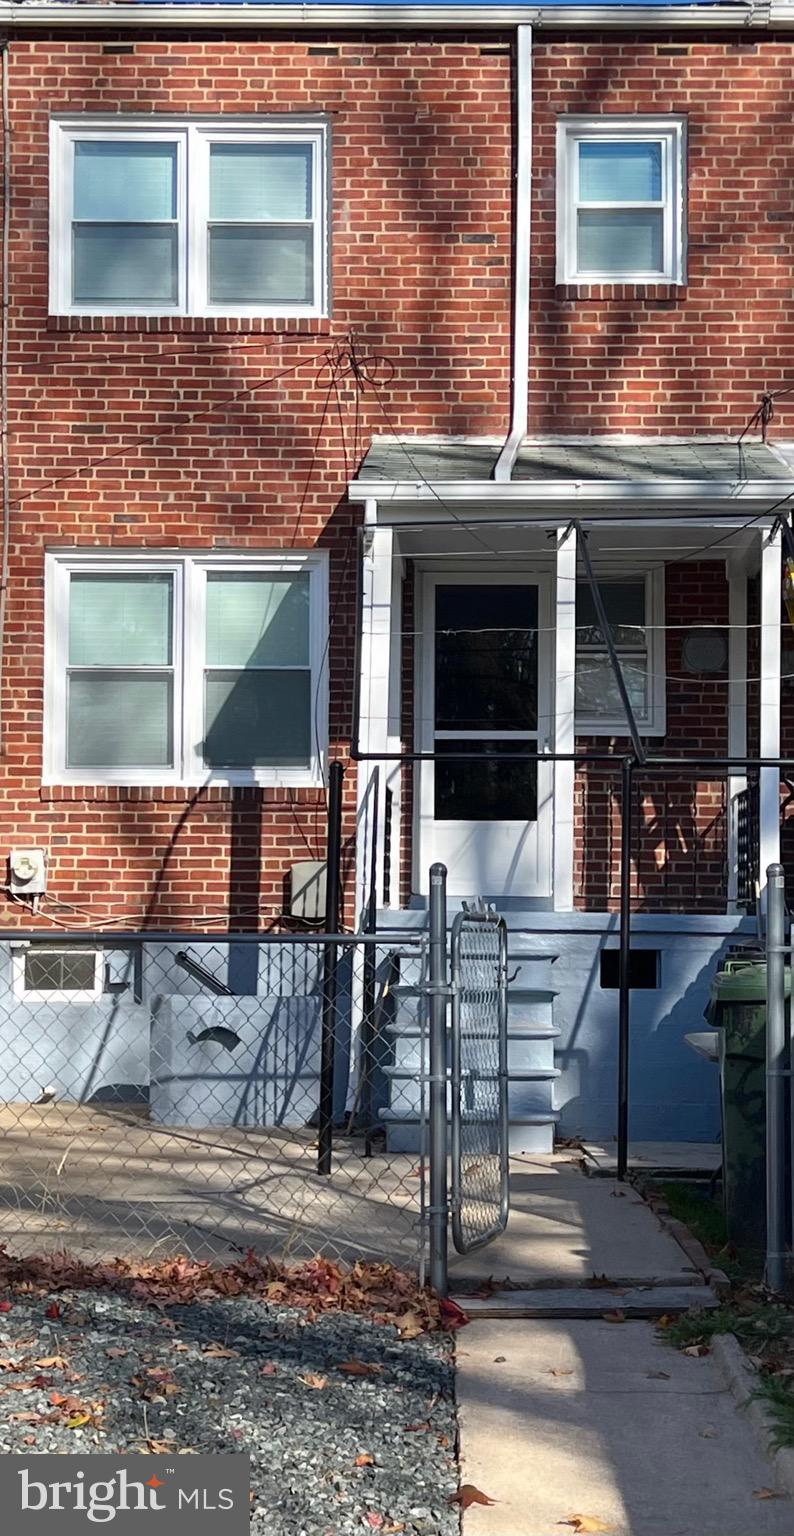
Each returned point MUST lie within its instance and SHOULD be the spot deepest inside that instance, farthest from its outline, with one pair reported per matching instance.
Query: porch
(490, 717)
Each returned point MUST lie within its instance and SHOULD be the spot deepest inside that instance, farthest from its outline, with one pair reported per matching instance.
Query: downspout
(503, 469)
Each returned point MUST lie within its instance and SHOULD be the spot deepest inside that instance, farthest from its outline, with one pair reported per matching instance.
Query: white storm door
(485, 689)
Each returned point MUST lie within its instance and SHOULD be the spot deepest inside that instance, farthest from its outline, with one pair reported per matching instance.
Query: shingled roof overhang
(679, 475)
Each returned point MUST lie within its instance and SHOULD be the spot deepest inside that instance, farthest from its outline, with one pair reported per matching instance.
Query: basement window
(58, 974)
(200, 218)
(644, 969)
(620, 200)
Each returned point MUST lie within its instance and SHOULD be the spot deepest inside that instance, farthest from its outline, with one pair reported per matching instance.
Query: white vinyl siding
(620, 200)
(186, 669)
(198, 218)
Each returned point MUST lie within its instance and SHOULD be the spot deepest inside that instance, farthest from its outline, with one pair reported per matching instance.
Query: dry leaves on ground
(360, 1368)
(589, 1524)
(220, 1352)
(559, 1370)
(467, 1495)
(766, 1493)
(614, 1317)
(365, 1460)
(387, 1294)
(312, 1379)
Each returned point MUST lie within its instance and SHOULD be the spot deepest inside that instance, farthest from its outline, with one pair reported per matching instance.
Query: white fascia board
(254, 17)
(461, 491)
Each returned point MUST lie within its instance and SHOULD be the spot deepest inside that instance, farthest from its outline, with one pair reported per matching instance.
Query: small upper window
(620, 210)
(191, 220)
(634, 611)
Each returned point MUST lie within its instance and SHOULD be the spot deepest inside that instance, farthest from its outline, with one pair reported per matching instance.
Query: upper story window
(186, 669)
(635, 614)
(188, 219)
(620, 200)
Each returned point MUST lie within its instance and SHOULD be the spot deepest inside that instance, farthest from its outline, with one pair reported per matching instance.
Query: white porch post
(737, 715)
(376, 672)
(563, 734)
(769, 694)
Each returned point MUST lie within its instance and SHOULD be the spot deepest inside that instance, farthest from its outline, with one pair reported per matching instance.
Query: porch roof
(572, 461)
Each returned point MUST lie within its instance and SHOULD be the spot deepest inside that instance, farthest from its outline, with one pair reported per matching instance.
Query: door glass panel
(486, 658)
(493, 789)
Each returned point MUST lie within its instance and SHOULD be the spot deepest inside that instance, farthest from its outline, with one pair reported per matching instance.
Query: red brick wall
(200, 450)
(680, 825)
(677, 360)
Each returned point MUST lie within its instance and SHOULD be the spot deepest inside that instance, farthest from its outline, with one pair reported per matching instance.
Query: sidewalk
(564, 1417)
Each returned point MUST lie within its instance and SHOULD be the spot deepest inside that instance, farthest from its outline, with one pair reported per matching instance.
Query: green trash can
(738, 1009)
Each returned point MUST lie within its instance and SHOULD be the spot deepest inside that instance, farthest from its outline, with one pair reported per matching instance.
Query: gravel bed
(240, 1375)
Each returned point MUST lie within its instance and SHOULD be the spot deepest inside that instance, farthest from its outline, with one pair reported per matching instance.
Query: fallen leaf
(696, 1350)
(115, 1353)
(29, 1440)
(415, 1429)
(26, 1418)
(268, 1370)
(313, 1380)
(160, 1447)
(658, 1375)
(559, 1370)
(53, 1309)
(78, 1421)
(665, 1321)
(443, 1441)
(766, 1493)
(365, 1461)
(467, 1495)
(51, 1362)
(614, 1317)
(360, 1368)
(410, 1325)
(5, 1306)
(220, 1352)
(452, 1316)
(375, 1521)
(10, 1365)
(585, 1523)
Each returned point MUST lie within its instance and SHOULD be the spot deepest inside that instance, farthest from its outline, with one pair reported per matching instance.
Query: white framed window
(635, 613)
(620, 199)
(195, 218)
(57, 973)
(186, 669)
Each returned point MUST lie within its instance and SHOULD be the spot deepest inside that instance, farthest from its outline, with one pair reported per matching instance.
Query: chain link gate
(478, 1074)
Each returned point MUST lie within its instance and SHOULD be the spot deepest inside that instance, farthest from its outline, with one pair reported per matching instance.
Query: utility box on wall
(307, 890)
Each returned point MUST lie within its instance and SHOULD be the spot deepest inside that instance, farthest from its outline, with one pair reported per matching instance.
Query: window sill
(621, 292)
(194, 325)
(184, 794)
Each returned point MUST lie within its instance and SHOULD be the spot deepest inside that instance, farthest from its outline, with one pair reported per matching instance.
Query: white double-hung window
(186, 669)
(634, 609)
(199, 218)
(620, 200)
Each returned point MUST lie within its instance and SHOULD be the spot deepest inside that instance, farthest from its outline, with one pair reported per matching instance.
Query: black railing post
(368, 971)
(624, 971)
(330, 967)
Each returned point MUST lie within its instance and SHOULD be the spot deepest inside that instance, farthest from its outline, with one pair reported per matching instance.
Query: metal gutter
(522, 243)
(438, 492)
(324, 18)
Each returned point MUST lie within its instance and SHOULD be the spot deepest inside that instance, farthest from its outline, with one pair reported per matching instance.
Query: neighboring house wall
(651, 358)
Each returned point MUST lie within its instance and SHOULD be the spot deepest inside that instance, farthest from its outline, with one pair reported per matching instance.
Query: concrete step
(568, 1301)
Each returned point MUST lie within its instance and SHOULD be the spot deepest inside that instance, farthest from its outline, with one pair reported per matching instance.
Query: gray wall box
(307, 890)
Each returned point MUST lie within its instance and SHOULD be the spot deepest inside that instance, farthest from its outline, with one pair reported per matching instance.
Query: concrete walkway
(559, 1419)
(564, 1228)
(563, 1417)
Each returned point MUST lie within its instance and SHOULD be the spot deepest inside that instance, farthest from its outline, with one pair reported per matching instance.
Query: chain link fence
(160, 1094)
(479, 1118)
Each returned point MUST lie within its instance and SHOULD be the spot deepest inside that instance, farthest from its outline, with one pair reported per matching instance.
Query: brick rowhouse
(195, 434)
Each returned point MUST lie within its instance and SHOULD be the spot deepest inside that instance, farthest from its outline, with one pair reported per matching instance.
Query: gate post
(439, 1212)
(776, 1051)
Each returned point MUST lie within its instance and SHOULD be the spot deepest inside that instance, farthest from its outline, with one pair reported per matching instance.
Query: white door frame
(427, 579)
